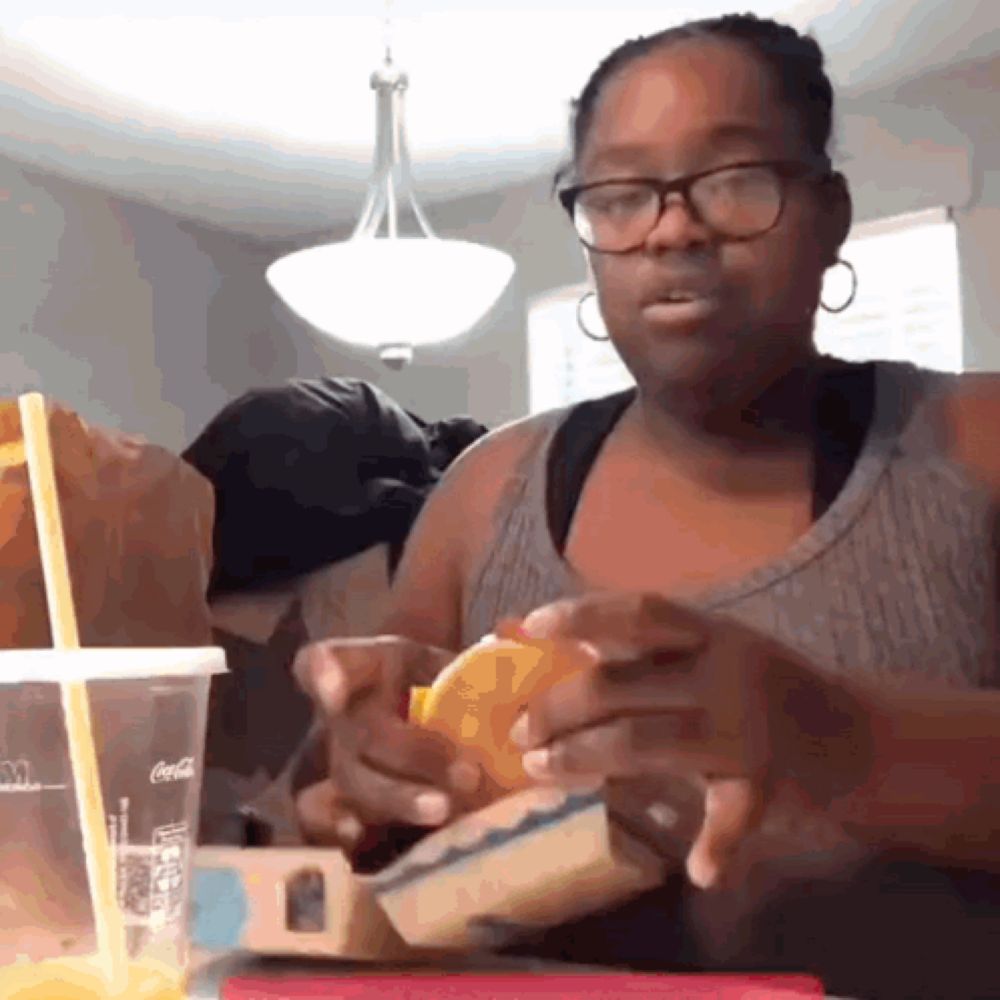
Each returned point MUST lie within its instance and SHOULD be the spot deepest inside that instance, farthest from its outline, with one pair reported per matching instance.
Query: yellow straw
(76, 706)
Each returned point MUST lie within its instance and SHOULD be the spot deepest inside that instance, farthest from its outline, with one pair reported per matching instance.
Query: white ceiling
(264, 122)
(482, 74)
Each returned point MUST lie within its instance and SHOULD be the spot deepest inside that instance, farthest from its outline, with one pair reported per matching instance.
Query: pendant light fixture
(392, 292)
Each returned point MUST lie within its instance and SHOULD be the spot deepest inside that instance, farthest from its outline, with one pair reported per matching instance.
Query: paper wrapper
(138, 525)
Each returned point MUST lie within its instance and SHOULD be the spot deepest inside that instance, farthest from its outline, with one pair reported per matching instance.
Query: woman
(760, 541)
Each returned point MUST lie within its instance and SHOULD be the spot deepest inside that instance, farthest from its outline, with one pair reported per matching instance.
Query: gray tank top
(895, 579)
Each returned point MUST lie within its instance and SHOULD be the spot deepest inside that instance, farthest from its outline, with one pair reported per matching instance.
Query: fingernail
(537, 624)
(464, 776)
(538, 764)
(431, 808)
(330, 689)
(520, 732)
(709, 871)
(701, 872)
(348, 830)
(509, 628)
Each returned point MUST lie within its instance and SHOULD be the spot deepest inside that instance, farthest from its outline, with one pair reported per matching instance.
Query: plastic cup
(148, 710)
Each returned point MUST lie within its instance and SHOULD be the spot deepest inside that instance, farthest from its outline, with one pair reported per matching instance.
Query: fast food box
(287, 901)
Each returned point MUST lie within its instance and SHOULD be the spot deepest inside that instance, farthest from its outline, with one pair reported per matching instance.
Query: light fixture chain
(387, 30)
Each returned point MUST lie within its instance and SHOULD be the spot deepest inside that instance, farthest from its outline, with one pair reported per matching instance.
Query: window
(908, 306)
(564, 365)
(907, 309)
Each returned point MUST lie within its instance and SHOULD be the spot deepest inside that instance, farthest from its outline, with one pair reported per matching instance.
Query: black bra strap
(844, 413)
(573, 452)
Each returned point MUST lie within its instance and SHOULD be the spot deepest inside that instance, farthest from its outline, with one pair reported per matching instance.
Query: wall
(144, 320)
(979, 221)
(979, 252)
(134, 317)
(965, 97)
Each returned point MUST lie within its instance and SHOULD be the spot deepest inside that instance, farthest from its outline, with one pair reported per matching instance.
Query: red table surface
(519, 986)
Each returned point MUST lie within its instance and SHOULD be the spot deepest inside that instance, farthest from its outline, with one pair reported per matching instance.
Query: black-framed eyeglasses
(739, 201)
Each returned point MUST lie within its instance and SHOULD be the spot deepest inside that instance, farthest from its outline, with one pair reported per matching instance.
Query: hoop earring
(854, 287)
(579, 318)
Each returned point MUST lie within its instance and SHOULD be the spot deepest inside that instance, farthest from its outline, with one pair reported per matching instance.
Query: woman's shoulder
(520, 446)
(457, 526)
(959, 412)
(492, 472)
(514, 447)
(939, 385)
(513, 441)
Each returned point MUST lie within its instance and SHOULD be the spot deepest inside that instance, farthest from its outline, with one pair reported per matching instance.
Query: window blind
(565, 366)
(908, 306)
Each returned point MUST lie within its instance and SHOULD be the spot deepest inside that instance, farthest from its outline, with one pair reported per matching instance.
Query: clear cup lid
(24, 666)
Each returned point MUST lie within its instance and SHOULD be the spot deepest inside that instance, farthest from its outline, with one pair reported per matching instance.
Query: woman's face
(689, 107)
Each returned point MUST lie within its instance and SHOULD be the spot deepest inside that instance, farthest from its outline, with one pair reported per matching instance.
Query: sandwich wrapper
(530, 856)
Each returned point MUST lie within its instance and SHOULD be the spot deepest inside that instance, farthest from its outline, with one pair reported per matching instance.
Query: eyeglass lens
(739, 202)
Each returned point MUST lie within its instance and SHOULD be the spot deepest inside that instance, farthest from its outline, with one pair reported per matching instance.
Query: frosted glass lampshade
(374, 291)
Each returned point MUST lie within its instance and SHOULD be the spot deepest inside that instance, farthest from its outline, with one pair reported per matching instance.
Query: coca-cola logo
(163, 772)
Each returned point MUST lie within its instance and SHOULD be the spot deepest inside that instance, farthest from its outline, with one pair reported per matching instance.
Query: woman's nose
(677, 227)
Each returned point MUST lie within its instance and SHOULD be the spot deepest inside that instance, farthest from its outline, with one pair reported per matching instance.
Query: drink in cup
(148, 712)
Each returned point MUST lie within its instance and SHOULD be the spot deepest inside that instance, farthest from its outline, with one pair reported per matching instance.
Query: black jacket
(314, 471)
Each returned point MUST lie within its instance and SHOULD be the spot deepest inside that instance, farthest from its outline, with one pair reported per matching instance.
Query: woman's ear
(838, 216)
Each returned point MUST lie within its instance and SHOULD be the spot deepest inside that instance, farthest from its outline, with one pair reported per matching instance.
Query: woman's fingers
(652, 656)
(324, 820)
(663, 742)
(393, 772)
(510, 629)
(385, 769)
(619, 625)
(657, 684)
(383, 798)
(332, 672)
(335, 671)
(416, 755)
(732, 810)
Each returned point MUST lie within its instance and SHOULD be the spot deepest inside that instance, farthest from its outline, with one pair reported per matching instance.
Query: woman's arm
(454, 529)
(370, 773)
(935, 784)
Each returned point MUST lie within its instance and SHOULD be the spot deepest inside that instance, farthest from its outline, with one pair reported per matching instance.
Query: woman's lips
(681, 311)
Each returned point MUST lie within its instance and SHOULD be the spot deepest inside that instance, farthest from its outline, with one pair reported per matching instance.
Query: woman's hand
(682, 694)
(381, 770)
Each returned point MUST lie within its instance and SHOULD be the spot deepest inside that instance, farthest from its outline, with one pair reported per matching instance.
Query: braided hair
(795, 61)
